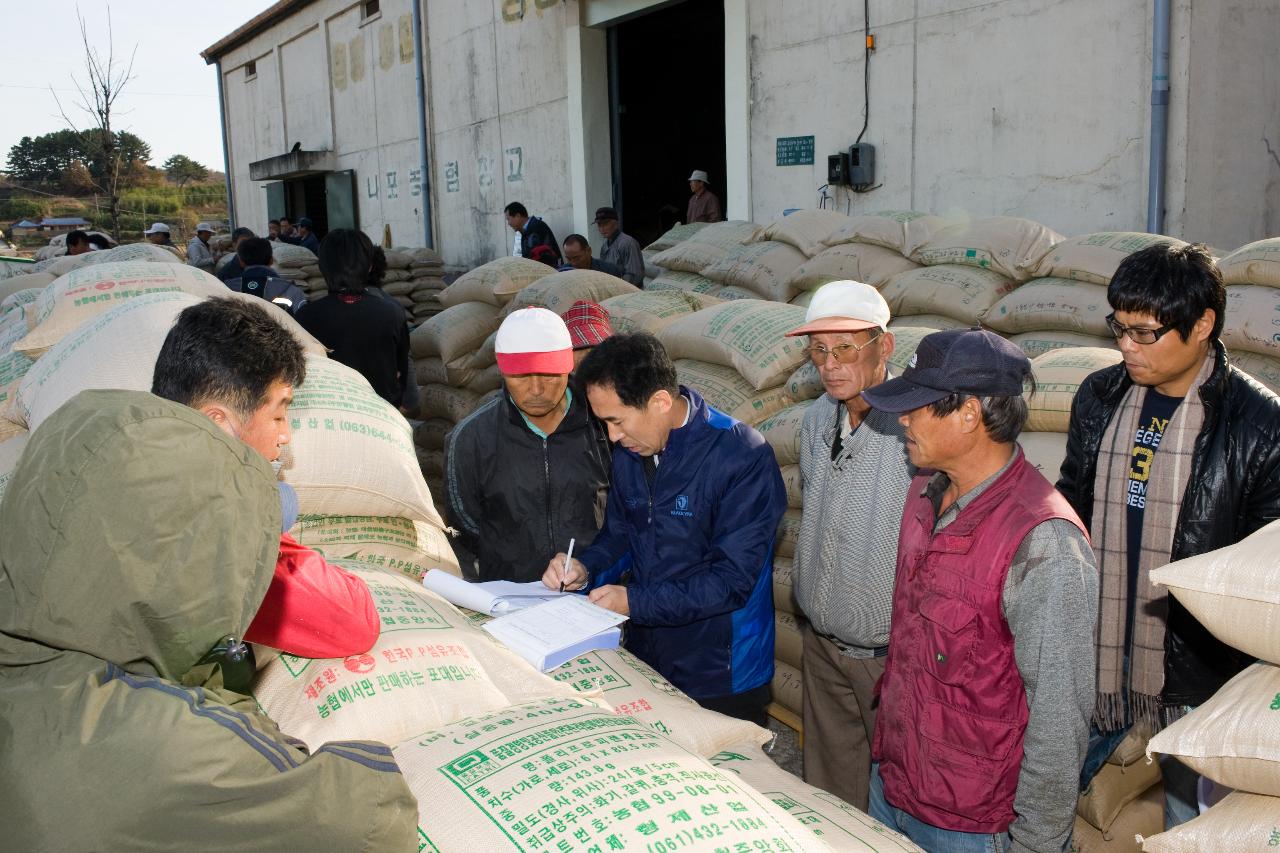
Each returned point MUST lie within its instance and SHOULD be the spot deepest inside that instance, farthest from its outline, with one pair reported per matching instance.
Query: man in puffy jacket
(529, 470)
(253, 274)
(139, 542)
(1170, 454)
(687, 545)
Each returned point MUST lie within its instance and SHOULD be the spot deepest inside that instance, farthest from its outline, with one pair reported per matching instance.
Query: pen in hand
(565, 568)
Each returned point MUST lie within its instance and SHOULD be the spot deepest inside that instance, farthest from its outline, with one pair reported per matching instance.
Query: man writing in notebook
(687, 543)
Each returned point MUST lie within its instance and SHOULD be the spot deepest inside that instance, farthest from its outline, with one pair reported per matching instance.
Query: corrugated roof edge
(275, 13)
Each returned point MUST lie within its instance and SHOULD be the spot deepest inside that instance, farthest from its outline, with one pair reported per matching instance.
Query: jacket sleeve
(464, 496)
(1262, 505)
(633, 271)
(1069, 475)
(745, 525)
(313, 608)
(608, 556)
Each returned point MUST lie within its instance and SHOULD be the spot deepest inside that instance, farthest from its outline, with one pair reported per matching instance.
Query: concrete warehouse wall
(1034, 108)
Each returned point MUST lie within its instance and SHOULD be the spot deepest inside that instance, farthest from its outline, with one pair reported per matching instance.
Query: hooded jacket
(136, 536)
(1233, 490)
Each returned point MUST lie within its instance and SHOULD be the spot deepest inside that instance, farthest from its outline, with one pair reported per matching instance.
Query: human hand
(611, 597)
(575, 577)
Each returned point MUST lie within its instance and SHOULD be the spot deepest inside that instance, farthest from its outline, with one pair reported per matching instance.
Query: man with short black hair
(273, 230)
(307, 238)
(228, 268)
(530, 232)
(287, 233)
(577, 255)
(687, 544)
(621, 250)
(78, 243)
(254, 275)
(988, 685)
(1170, 454)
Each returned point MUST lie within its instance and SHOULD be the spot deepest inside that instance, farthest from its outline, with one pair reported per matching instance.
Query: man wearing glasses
(855, 474)
(1171, 454)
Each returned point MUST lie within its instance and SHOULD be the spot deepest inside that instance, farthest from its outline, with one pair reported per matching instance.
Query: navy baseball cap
(964, 361)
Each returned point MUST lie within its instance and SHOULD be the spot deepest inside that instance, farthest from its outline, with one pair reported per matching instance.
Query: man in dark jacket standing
(254, 275)
(529, 470)
(531, 232)
(1171, 454)
(687, 545)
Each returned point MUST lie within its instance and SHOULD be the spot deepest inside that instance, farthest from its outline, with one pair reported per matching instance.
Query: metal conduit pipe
(1160, 26)
(420, 80)
(226, 151)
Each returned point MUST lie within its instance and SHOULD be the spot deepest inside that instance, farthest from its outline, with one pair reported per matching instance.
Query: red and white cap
(533, 340)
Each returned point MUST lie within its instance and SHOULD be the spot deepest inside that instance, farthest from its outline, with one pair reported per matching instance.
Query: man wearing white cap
(528, 471)
(158, 234)
(855, 473)
(198, 252)
(704, 206)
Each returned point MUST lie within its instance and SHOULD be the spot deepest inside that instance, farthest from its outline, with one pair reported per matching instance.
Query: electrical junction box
(838, 170)
(862, 165)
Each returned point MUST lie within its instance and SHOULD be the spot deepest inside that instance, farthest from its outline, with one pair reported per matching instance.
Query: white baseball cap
(699, 175)
(533, 340)
(157, 228)
(205, 226)
(844, 306)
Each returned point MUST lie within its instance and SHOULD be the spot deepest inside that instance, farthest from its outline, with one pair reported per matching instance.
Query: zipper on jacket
(546, 484)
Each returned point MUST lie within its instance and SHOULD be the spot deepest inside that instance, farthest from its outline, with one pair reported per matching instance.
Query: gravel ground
(785, 749)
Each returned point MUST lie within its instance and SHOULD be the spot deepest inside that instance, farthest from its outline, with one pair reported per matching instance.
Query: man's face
(204, 236)
(932, 440)
(79, 248)
(286, 227)
(515, 221)
(607, 228)
(273, 231)
(695, 187)
(847, 371)
(157, 237)
(266, 430)
(1167, 360)
(578, 256)
(537, 394)
(643, 431)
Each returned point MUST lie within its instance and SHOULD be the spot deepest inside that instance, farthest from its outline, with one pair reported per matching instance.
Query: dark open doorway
(666, 98)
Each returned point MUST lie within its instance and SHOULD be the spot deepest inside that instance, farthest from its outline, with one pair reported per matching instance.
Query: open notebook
(492, 597)
(548, 634)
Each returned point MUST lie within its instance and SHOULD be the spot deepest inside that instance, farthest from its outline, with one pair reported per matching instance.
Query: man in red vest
(988, 686)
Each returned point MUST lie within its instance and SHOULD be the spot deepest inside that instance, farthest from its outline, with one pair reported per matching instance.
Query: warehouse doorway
(666, 106)
(326, 198)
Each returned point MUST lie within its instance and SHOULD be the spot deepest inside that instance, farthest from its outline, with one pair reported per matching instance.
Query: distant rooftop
(64, 220)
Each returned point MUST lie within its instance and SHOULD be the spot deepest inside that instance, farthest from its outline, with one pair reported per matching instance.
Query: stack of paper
(492, 597)
(549, 634)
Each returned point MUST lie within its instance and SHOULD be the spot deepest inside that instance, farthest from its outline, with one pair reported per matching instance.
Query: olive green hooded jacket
(134, 535)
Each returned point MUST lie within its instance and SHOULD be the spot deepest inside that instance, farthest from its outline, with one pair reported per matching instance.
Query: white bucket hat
(699, 175)
(157, 228)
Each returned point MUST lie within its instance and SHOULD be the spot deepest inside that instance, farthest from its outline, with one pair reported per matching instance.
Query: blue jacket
(698, 544)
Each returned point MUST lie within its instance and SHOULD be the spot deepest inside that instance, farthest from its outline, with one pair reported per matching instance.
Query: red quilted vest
(953, 708)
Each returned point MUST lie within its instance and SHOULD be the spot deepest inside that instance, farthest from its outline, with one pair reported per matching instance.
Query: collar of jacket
(257, 272)
(574, 419)
(681, 438)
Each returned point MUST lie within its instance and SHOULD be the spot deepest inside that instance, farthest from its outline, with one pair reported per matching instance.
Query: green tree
(182, 170)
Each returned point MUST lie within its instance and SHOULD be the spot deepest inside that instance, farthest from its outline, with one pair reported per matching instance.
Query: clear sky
(172, 100)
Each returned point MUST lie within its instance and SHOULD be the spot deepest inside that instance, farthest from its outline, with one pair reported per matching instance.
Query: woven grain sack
(1093, 258)
(1263, 368)
(1058, 374)
(726, 390)
(762, 268)
(726, 293)
(677, 234)
(634, 689)
(805, 383)
(802, 300)
(839, 825)
(431, 462)
(1008, 245)
(906, 339)
(1234, 592)
(784, 593)
(1252, 323)
(873, 265)
(1130, 750)
(952, 290)
(690, 282)
(494, 283)
(429, 667)
(401, 545)
(15, 301)
(788, 533)
(1052, 304)
(455, 332)
(1036, 344)
(788, 687)
(651, 311)
(352, 452)
(566, 775)
(782, 431)
(448, 403)
(1239, 822)
(1143, 816)
(1045, 451)
(1113, 788)
(1255, 263)
(806, 230)
(1234, 737)
(901, 230)
(706, 247)
(433, 371)
(747, 335)
(24, 282)
(793, 482)
(933, 322)
(86, 293)
(788, 642)
(13, 366)
(558, 291)
(431, 434)
(486, 380)
(11, 448)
